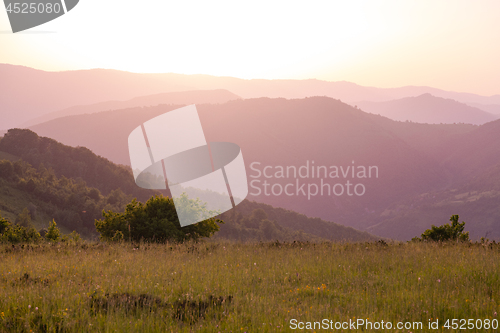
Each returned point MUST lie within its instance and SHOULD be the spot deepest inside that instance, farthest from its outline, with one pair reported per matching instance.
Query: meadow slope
(259, 287)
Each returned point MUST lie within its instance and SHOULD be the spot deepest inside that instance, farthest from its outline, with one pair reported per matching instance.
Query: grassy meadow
(259, 287)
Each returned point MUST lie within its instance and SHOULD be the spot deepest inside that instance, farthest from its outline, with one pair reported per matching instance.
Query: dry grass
(212, 287)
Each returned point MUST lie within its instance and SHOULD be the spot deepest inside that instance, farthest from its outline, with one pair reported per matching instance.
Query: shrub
(53, 233)
(118, 237)
(75, 237)
(446, 232)
(4, 224)
(157, 221)
(17, 233)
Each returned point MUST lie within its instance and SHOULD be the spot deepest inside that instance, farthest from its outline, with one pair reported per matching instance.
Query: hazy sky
(453, 45)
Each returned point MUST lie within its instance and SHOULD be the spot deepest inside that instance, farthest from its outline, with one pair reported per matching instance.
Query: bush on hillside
(446, 232)
(53, 234)
(157, 221)
(15, 233)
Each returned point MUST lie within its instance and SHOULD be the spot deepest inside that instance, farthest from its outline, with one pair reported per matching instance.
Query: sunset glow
(447, 45)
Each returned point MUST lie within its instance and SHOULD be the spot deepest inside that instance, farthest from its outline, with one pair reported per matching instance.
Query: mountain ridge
(52, 91)
(178, 98)
(410, 156)
(429, 109)
(74, 186)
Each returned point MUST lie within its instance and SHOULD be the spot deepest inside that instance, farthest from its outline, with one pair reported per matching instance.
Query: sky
(452, 45)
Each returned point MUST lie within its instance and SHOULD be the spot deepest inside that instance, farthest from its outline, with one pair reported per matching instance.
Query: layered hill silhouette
(473, 161)
(475, 200)
(428, 109)
(29, 93)
(494, 109)
(272, 132)
(74, 185)
(178, 98)
(413, 159)
(474, 153)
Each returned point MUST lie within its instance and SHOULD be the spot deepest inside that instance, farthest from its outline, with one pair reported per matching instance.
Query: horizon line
(251, 79)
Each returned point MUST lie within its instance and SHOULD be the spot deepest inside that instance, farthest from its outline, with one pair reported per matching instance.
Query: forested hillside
(76, 163)
(415, 161)
(70, 202)
(73, 186)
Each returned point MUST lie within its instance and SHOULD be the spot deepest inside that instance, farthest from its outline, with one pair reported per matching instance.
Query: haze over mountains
(74, 186)
(428, 109)
(417, 162)
(426, 172)
(491, 108)
(29, 93)
(178, 98)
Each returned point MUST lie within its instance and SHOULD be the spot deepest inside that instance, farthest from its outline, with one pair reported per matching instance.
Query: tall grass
(224, 287)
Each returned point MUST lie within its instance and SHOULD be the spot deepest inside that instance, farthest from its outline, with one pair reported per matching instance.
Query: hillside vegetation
(71, 162)
(74, 186)
(73, 204)
(418, 163)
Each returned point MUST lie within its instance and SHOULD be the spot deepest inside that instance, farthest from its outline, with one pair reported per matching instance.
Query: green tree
(53, 233)
(157, 221)
(4, 224)
(20, 234)
(446, 232)
(75, 237)
(17, 233)
(118, 237)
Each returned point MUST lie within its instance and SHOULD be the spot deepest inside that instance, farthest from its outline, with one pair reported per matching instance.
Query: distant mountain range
(28, 93)
(475, 200)
(416, 162)
(427, 170)
(178, 98)
(491, 108)
(428, 109)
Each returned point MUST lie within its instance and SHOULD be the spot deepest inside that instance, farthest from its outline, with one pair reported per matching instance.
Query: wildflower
(29, 306)
(439, 280)
(36, 308)
(494, 315)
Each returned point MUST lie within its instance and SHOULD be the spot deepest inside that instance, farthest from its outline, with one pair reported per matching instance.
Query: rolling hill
(53, 91)
(55, 184)
(491, 108)
(28, 93)
(428, 109)
(177, 98)
(476, 201)
(412, 158)
(277, 132)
